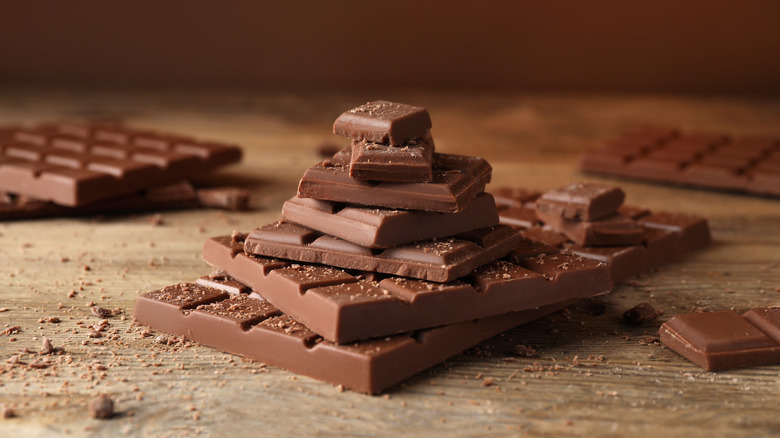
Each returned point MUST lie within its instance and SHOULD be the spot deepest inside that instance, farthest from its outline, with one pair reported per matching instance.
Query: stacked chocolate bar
(389, 260)
(68, 169)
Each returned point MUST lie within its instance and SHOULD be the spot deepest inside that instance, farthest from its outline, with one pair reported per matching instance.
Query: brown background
(612, 45)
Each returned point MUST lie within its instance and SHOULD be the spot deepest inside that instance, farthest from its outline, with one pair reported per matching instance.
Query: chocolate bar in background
(439, 260)
(457, 179)
(385, 228)
(236, 323)
(703, 160)
(75, 165)
(384, 122)
(724, 340)
(181, 195)
(344, 306)
(410, 162)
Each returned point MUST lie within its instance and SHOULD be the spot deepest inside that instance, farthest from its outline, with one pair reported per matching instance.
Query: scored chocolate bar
(386, 228)
(439, 260)
(75, 165)
(385, 122)
(224, 318)
(724, 340)
(409, 162)
(457, 179)
(344, 306)
(705, 160)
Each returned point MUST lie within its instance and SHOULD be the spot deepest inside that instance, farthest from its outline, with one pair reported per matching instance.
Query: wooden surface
(595, 376)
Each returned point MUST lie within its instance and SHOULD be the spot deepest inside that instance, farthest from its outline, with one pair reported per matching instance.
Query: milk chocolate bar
(410, 162)
(724, 340)
(75, 165)
(581, 201)
(386, 228)
(253, 328)
(439, 260)
(385, 122)
(343, 306)
(704, 160)
(612, 230)
(457, 179)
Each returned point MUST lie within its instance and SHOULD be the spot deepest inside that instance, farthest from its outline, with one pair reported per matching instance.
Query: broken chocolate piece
(381, 121)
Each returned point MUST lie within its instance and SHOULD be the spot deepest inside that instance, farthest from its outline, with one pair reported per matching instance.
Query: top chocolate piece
(385, 122)
(581, 201)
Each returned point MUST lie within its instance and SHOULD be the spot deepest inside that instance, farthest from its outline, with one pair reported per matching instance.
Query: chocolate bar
(344, 306)
(76, 165)
(666, 237)
(253, 328)
(612, 230)
(581, 201)
(724, 340)
(457, 179)
(385, 122)
(704, 160)
(410, 162)
(385, 228)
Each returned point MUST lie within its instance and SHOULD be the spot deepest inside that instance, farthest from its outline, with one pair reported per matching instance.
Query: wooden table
(593, 376)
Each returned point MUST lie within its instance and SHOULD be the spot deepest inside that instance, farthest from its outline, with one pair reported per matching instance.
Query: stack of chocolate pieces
(62, 169)
(389, 260)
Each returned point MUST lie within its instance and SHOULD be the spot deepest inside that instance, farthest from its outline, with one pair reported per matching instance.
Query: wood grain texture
(593, 376)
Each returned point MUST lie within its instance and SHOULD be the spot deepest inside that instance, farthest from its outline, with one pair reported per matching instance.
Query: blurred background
(613, 46)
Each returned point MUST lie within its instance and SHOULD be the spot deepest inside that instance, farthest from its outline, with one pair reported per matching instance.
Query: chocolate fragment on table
(703, 160)
(343, 306)
(640, 314)
(725, 340)
(581, 201)
(439, 260)
(385, 122)
(409, 162)
(255, 329)
(457, 179)
(612, 230)
(75, 165)
(386, 228)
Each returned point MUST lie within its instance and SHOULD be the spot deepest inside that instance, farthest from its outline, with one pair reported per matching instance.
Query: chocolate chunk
(342, 307)
(457, 179)
(410, 162)
(439, 260)
(226, 198)
(101, 407)
(612, 230)
(581, 201)
(256, 330)
(386, 228)
(724, 340)
(48, 165)
(640, 314)
(383, 122)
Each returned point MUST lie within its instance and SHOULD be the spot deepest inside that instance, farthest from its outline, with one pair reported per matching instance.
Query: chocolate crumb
(7, 412)
(640, 314)
(46, 347)
(525, 351)
(102, 407)
(101, 312)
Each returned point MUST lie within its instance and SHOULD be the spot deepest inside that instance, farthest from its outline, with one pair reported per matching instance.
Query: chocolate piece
(581, 201)
(48, 165)
(612, 230)
(385, 228)
(714, 161)
(457, 179)
(515, 197)
(640, 314)
(409, 162)
(255, 329)
(435, 260)
(383, 122)
(225, 198)
(724, 340)
(343, 306)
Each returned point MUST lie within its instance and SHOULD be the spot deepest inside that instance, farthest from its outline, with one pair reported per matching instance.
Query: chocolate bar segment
(386, 228)
(385, 122)
(612, 230)
(439, 260)
(581, 201)
(255, 329)
(705, 160)
(55, 165)
(410, 162)
(346, 306)
(457, 179)
(724, 340)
